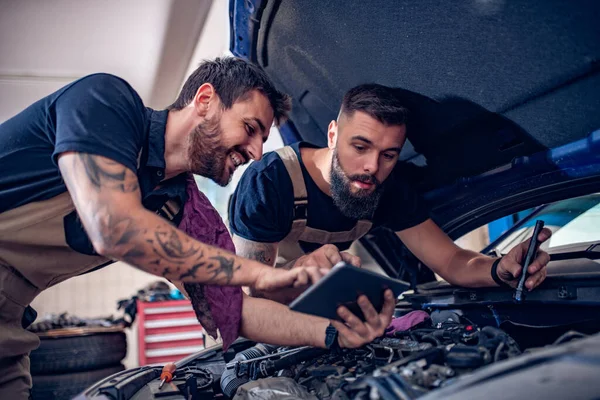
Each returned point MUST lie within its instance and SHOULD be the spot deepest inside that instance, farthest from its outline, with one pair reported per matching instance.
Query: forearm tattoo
(261, 252)
(162, 250)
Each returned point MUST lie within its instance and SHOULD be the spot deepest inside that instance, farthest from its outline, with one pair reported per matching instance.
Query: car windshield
(572, 221)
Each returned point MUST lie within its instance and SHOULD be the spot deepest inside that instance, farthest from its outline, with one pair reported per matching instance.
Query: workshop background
(154, 45)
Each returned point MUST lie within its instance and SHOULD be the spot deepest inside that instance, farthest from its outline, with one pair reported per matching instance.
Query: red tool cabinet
(167, 331)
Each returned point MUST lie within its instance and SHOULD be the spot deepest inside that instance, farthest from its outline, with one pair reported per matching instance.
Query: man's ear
(204, 95)
(332, 134)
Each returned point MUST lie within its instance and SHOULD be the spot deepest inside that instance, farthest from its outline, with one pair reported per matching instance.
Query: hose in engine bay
(230, 381)
(257, 363)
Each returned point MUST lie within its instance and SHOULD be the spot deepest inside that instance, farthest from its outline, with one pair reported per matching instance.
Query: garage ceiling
(45, 44)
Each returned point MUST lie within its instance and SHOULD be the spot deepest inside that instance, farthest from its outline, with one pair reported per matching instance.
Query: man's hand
(298, 278)
(510, 268)
(325, 256)
(356, 333)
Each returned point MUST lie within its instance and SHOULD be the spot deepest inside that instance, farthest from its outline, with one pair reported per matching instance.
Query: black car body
(505, 111)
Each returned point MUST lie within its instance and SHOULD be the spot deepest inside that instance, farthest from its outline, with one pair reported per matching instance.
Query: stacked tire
(64, 366)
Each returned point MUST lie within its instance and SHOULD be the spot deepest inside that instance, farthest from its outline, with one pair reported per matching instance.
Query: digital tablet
(342, 286)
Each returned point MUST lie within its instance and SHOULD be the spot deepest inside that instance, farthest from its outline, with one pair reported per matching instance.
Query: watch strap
(331, 338)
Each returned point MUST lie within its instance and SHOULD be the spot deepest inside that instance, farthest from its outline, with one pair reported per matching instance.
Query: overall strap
(292, 165)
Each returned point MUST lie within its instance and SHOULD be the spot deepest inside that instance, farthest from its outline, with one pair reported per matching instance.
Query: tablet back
(342, 286)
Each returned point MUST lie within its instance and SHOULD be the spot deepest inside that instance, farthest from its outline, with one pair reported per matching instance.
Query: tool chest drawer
(167, 331)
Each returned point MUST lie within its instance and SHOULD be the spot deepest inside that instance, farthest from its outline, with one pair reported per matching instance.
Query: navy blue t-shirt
(99, 114)
(262, 205)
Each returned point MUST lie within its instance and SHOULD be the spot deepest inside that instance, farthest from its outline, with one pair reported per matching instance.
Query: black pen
(529, 257)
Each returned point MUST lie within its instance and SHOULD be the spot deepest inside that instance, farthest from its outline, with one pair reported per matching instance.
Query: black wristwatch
(331, 338)
(495, 276)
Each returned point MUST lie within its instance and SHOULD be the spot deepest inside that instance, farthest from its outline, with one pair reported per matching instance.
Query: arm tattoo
(172, 246)
(107, 173)
(164, 250)
(192, 271)
(262, 256)
(261, 252)
(226, 267)
(168, 253)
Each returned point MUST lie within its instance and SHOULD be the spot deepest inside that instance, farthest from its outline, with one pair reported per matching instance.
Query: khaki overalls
(289, 248)
(34, 255)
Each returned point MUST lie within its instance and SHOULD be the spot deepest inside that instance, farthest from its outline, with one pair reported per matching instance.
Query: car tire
(66, 386)
(78, 353)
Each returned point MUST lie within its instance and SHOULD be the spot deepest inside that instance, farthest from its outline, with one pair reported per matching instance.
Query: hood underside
(486, 81)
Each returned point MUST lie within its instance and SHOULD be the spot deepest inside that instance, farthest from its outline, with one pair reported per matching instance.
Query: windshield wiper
(589, 250)
(579, 250)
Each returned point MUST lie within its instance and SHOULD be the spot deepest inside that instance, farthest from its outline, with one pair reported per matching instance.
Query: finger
(353, 321)
(319, 257)
(389, 306)
(509, 269)
(333, 254)
(276, 280)
(348, 337)
(519, 252)
(301, 278)
(302, 261)
(540, 262)
(369, 312)
(544, 235)
(535, 280)
(314, 274)
(351, 259)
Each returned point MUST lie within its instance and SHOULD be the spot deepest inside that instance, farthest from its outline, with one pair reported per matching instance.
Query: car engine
(437, 357)
(404, 365)
(444, 343)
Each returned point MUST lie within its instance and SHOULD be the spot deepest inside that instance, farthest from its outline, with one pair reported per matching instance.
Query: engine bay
(407, 365)
(467, 338)
(404, 365)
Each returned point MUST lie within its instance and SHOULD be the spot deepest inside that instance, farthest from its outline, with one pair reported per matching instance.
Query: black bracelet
(331, 338)
(495, 276)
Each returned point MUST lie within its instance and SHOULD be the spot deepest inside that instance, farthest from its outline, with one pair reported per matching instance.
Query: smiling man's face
(230, 138)
(365, 152)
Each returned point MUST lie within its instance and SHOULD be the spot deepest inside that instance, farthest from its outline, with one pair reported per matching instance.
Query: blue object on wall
(498, 227)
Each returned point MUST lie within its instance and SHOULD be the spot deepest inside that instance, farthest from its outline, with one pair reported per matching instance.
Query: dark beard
(361, 205)
(206, 155)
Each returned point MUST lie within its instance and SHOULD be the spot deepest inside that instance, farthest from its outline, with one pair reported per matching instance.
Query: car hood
(500, 93)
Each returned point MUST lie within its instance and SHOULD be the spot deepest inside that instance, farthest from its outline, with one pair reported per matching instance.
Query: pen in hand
(529, 257)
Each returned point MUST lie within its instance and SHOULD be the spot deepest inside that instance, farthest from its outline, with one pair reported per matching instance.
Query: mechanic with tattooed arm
(90, 176)
(329, 197)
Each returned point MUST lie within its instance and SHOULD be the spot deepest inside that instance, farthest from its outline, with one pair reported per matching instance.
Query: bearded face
(352, 201)
(206, 154)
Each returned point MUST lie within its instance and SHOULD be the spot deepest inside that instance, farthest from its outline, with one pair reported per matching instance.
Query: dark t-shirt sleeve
(401, 207)
(262, 205)
(100, 115)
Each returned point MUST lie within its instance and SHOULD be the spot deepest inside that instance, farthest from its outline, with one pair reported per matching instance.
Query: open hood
(489, 83)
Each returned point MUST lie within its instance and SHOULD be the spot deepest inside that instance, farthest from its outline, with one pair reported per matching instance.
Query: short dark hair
(233, 78)
(378, 101)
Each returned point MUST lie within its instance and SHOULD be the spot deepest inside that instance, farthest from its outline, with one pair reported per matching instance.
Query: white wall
(47, 44)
